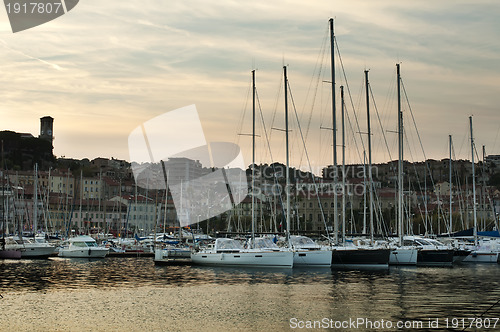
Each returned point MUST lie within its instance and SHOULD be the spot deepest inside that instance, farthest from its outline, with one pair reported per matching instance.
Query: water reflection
(404, 293)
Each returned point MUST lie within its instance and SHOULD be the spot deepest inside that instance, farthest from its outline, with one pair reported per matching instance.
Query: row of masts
(369, 186)
(335, 165)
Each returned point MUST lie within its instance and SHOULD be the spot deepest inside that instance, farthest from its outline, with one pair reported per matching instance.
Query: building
(183, 170)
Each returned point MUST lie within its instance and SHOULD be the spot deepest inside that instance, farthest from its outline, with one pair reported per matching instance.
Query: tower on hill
(46, 128)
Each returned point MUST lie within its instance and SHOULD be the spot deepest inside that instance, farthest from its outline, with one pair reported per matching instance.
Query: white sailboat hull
(33, 250)
(37, 251)
(172, 255)
(312, 258)
(95, 252)
(482, 256)
(403, 256)
(277, 259)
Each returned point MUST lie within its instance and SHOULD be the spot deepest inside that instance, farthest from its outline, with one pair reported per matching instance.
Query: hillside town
(100, 196)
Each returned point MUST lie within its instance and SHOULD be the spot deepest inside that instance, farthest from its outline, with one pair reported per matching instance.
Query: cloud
(135, 60)
(51, 65)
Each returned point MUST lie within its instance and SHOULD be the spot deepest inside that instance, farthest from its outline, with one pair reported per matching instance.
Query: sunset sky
(107, 66)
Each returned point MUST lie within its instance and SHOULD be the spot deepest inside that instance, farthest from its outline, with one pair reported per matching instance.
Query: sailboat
(176, 252)
(358, 256)
(29, 247)
(230, 252)
(344, 256)
(460, 252)
(402, 254)
(430, 252)
(5, 252)
(482, 251)
(11, 253)
(306, 253)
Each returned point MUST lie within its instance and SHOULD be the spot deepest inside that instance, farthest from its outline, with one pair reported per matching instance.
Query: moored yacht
(486, 251)
(28, 247)
(230, 252)
(483, 250)
(306, 253)
(82, 247)
(403, 255)
(430, 252)
(359, 256)
(172, 254)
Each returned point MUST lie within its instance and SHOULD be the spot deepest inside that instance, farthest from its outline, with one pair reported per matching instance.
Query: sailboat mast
(370, 179)
(343, 164)
(334, 130)
(253, 158)
(35, 201)
(451, 219)
(3, 200)
(80, 209)
(473, 182)
(400, 159)
(364, 193)
(483, 190)
(287, 187)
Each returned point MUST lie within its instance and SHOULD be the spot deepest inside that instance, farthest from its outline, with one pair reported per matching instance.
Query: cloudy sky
(107, 66)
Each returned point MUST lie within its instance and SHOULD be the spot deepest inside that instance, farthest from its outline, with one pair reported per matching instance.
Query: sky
(106, 67)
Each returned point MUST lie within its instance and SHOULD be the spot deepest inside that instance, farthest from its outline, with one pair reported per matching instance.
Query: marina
(114, 294)
(267, 166)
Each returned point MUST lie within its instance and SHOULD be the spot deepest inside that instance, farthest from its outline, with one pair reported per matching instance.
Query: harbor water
(132, 294)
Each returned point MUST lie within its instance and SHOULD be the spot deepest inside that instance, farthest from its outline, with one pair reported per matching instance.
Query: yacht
(28, 247)
(402, 255)
(307, 253)
(82, 247)
(486, 251)
(351, 256)
(430, 252)
(230, 252)
(172, 254)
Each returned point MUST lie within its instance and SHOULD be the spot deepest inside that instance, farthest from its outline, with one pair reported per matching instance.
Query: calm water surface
(131, 294)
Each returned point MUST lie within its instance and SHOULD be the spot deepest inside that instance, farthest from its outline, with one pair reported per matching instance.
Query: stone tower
(46, 127)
